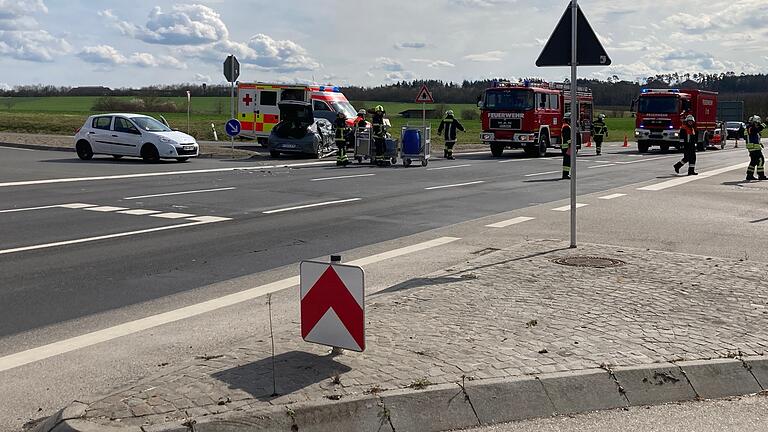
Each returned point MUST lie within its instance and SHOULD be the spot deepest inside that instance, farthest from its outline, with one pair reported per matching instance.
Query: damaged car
(299, 132)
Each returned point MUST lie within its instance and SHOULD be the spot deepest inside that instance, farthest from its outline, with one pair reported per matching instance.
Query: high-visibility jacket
(599, 129)
(688, 133)
(450, 125)
(342, 130)
(377, 123)
(565, 136)
(753, 136)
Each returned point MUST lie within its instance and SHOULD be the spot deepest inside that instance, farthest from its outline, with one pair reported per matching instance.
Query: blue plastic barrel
(412, 141)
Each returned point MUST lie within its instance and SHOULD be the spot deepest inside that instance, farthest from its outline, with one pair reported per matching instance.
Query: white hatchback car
(137, 135)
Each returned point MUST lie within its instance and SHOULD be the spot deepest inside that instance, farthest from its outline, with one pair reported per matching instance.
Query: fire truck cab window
(543, 101)
(513, 100)
(658, 105)
(554, 102)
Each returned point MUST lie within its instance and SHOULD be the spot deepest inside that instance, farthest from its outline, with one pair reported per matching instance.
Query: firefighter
(565, 146)
(600, 131)
(450, 124)
(342, 136)
(689, 135)
(755, 149)
(379, 133)
(360, 120)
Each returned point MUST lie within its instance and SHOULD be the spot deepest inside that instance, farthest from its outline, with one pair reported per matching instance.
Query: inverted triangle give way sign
(333, 305)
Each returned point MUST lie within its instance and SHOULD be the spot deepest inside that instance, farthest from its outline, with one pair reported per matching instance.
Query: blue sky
(121, 44)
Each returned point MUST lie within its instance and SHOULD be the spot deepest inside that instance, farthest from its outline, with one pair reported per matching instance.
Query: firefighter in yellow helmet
(755, 149)
(449, 124)
(379, 133)
(600, 132)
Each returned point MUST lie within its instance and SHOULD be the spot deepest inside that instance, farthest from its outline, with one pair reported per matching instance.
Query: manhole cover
(589, 261)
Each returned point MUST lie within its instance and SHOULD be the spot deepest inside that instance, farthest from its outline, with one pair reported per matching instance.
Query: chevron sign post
(333, 305)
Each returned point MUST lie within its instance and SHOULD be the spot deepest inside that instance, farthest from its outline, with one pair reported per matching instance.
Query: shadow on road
(295, 371)
(113, 161)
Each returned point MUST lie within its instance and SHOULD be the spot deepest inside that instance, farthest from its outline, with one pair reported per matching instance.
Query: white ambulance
(258, 109)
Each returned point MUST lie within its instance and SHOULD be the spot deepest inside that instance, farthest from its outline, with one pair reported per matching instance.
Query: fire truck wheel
(497, 149)
(642, 147)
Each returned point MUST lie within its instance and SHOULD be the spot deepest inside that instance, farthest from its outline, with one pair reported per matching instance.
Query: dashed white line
(322, 204)
(172, 215)
(140, 212)
(105, 209)
(449, 167)
(601, 166)
(17, 148)
(568, 207)
(510, 222)
(612, 196)
(98, 238)
(69, 206)
(342, 177)
(454, 185)
(646, 160)
(542, 173)
(683, 180)
(180, 193)
(209, 219)
(89, 339)
(77, 206)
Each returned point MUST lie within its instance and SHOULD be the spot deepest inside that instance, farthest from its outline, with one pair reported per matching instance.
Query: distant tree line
(612, 92)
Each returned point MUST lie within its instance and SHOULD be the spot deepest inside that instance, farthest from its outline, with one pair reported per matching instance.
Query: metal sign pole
(575, 116)
(423, 114)
(232, 102)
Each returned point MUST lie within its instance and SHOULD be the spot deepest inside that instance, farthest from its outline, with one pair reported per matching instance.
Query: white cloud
(261, 52)
(399, 76)
(107, 55)
(20, 35)
(202, 78)
(184, 25)
(412, 45)
(489, 56)
(483, 3)
(388, 64)
(441, 64)
(4, 86)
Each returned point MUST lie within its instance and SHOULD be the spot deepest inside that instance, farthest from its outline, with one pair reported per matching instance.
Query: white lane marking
(209, 219)
(139, 212)
(646, 160)
(89, 339)
(472, 153)
(172, 215)
(510, 222)
(342, 177)
(541, 174)
(449, 167)
(613, 196)
(454, 185)
(527, 159)
(322, 204)
(160, 174)
(69, 206)
(568, 207)
(17, 148)
(93, 239)
(105, 209)
(687, 179)
(601, 166)
(180, 193)
(77, 206)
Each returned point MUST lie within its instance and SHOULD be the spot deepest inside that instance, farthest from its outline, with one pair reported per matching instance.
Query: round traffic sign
(233, 127)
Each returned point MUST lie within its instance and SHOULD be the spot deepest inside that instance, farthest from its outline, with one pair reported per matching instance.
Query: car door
(99, 133)
(125, 138)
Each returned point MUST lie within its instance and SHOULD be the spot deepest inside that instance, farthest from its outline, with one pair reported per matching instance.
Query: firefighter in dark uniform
(341, 138)
(600, 131)
(449, 124)
(565, 146)
(379, 133)
(755, 149)
(689, 134)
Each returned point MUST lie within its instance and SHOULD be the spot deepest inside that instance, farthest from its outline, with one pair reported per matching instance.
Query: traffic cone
(589, 140)
(626, 141)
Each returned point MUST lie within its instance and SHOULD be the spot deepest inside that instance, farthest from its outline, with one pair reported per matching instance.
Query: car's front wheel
(149, 153)
(84, 150)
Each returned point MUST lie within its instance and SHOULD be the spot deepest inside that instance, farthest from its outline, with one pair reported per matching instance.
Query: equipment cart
(365, 148)
(417, 143)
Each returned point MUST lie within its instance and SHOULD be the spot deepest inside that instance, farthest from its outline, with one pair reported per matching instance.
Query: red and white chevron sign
(333, 305)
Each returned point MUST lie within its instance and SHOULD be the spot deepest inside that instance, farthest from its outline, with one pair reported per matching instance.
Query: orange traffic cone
(589, 140)
(626, 141)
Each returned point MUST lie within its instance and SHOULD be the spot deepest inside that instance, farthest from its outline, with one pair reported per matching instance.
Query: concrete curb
(473, 403)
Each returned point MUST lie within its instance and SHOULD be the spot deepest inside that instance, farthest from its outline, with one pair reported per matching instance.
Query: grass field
(63, 115)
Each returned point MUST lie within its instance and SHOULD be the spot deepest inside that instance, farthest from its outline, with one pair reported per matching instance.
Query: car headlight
(167, 140)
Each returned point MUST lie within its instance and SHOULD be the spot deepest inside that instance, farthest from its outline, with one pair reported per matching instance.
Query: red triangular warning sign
(425, 96)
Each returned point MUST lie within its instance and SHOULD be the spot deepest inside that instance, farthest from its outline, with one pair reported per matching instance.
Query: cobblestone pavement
(508, 313)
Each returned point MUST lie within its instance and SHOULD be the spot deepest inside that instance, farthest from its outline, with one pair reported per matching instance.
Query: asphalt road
(81, 251)
(748, 414)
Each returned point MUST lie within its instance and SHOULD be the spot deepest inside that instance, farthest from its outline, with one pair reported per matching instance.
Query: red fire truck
(661, 112)
(529, 116)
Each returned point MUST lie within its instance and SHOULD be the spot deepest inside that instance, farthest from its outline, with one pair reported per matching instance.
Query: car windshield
(659, 105)
(150, 125)
(513, 100)
(734, 125)
(344, 107)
